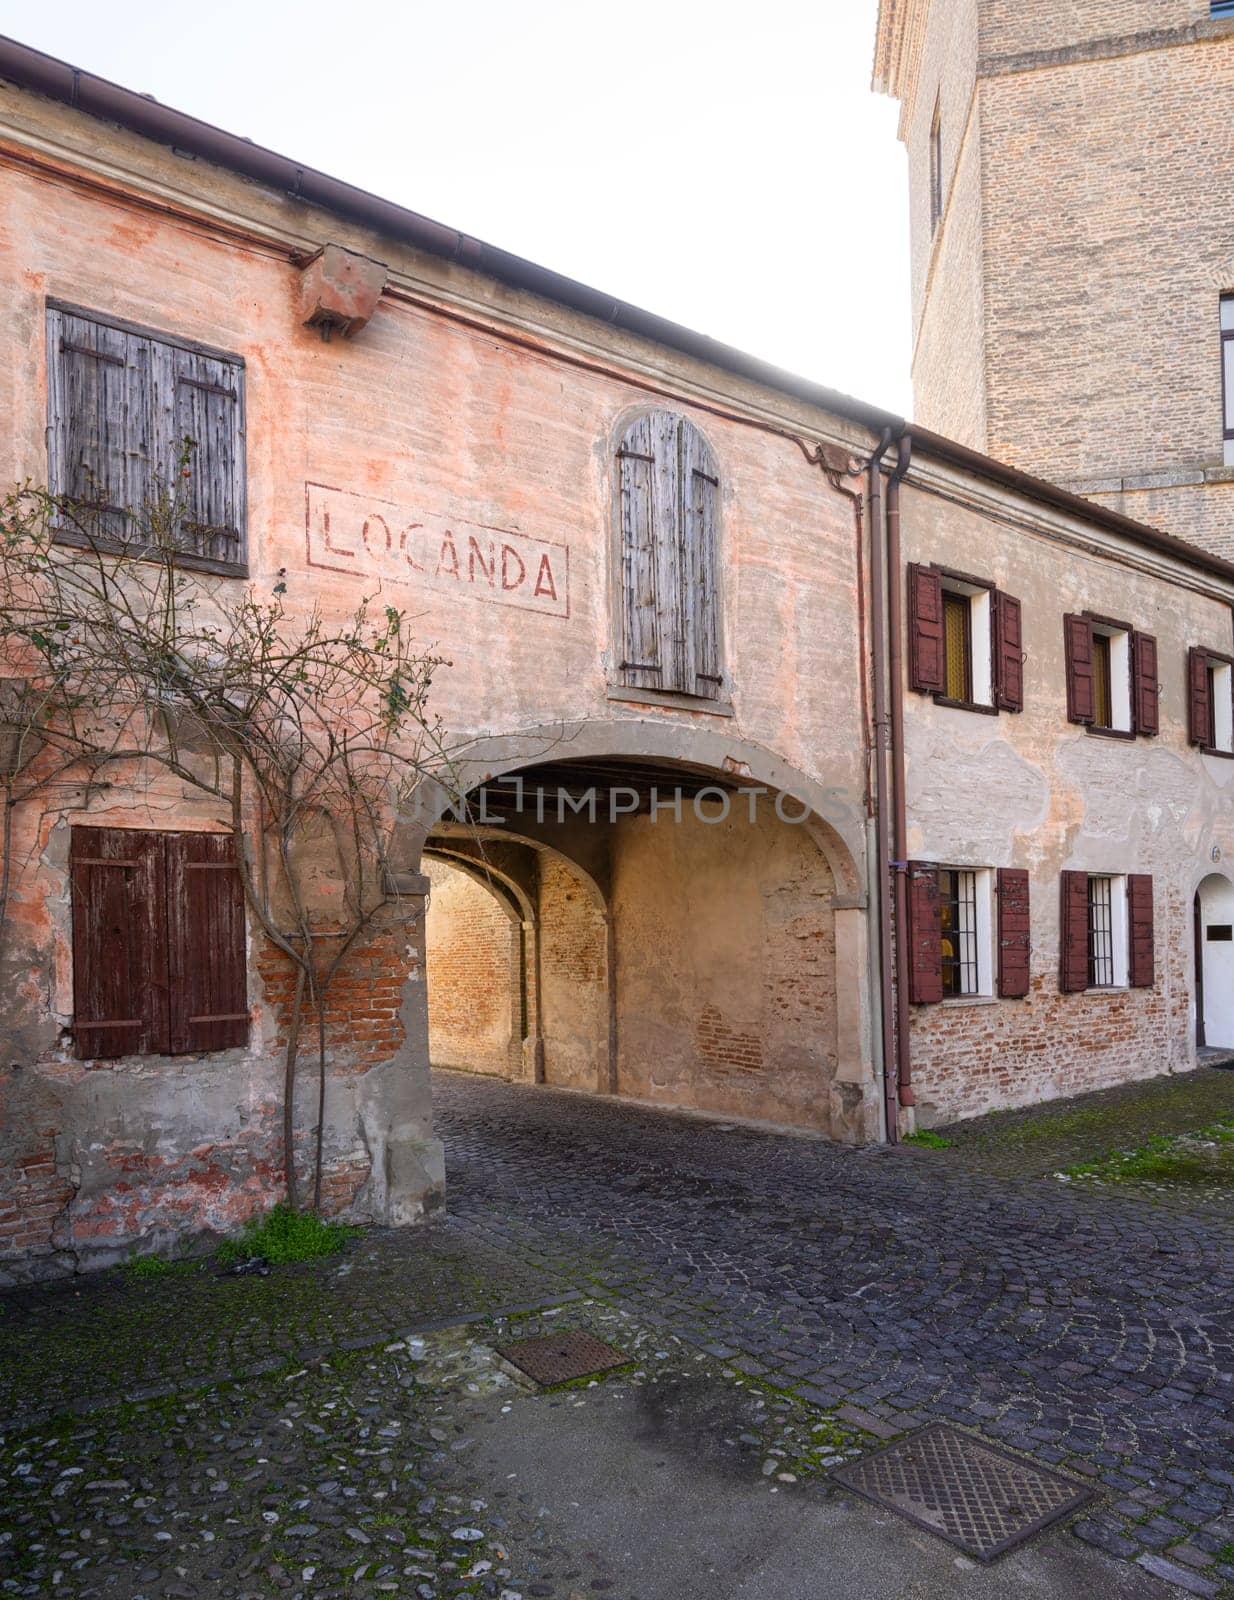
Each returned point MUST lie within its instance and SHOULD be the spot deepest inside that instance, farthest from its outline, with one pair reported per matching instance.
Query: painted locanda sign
(377, 540)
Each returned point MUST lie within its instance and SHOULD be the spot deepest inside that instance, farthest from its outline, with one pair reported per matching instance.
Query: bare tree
(304, 728)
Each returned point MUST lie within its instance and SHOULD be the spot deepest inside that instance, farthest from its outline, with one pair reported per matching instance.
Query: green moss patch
(286, 1235)
(1204, 1157)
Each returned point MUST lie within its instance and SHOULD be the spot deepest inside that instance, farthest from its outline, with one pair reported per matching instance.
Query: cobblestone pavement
(1093, 1330)
(177, 1436)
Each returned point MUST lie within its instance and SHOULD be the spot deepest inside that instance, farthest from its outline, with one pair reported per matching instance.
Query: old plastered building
(1073, 241)
(737, 664)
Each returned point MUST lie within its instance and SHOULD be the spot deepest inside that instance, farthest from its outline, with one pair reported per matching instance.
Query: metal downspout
(899, 841)
(882, 883)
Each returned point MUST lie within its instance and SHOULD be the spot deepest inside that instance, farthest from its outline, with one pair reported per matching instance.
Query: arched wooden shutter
(120, 987)
(699, 670)
(1081, 683)
(1199, 710)
(669, 509)
(1140, 970)
(926, 653)
(1008, 652)
(924, 935)
(206, 944)
(1014, 932)
(1073, 932)
(1145, 693)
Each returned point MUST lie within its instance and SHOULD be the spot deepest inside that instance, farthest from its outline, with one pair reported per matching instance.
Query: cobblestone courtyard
(307, 1433)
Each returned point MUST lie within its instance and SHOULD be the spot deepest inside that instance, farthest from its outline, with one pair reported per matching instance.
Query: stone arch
(835, 820)
(846, 1101)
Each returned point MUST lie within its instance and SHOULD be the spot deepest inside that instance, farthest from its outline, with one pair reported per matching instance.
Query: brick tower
(1072, 194)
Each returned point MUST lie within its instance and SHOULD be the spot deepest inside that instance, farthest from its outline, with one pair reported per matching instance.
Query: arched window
(669, 510)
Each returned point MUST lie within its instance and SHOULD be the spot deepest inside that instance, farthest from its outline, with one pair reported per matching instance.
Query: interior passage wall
(573, 980)
(474, 975)
(725, 966)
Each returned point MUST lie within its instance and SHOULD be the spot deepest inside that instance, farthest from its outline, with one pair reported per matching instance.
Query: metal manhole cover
(974, 1495)
(561, 1357)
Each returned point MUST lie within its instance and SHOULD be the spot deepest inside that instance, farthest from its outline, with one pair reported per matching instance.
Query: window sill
(954, 1002)
(186, 562)
(965, 705)
(1211, 750)
(1109, 733)
(669, 700)
(1108, 988)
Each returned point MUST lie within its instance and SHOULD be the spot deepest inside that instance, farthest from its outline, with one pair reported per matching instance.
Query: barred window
(1100, 933)
(957, 892)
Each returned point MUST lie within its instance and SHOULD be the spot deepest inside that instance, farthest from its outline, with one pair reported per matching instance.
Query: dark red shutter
(1199, 714)
(119, 943)
(925, 935)
(926, 651)
(1014, 932)
(1008, 653)
(206, 943)
(1140, 917)
(1081, 696)
(1144, 690)
(1073, 933)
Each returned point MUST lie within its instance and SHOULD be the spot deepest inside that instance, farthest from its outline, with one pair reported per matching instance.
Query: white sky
(721, 163)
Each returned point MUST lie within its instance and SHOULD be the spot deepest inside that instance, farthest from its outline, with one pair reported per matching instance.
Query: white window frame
(1120, 678)
(1120, 950)
(983, 902)
(980, 638)
(1222, 699)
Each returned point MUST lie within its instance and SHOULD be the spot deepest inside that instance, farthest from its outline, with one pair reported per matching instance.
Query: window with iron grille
(1100, 933)
(137, 420)
(957, 893)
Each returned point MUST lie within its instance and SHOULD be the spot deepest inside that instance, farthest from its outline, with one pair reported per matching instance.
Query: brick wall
(973, 1056)
(474, 976)
(362, 1004)
(573, 980)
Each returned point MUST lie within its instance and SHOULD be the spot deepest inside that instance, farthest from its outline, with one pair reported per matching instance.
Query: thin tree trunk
(289, 1093)
(321, 1097)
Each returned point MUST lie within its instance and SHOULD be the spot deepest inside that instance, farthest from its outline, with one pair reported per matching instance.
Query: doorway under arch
(1214, 961)
(715, 952)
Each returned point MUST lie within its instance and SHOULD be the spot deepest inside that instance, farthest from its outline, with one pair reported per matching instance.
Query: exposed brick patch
(724, 1047)
(363, 1004)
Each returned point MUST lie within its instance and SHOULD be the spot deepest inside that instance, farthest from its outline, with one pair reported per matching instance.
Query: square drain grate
(974, 1495)
(561, 1357)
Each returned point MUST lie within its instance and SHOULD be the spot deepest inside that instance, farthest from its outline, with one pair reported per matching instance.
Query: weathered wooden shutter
(98, 424)
(1140, 926)
(1008, 652)
(700, 492)
(1199, 711)
(640, 664)
(1081, 685)
(120, 976)
(926, 649)
(206, 944)
(1073, 932)
(1014, 932)
(924, 935)
(208, 424)
(669, 490)
(1145, 692)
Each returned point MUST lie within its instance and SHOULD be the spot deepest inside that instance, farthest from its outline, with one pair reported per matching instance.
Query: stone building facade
(661, 574)
(1072, 248)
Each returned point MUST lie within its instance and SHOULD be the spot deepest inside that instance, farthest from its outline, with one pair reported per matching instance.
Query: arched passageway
(668, 933)
(1214, 952)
